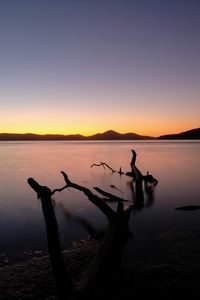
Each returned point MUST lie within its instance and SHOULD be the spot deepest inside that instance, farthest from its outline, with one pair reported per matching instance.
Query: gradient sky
(86, 66)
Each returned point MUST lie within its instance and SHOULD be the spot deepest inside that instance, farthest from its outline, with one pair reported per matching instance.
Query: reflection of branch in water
(92, 232)
(114, 187)
(137, 204)
(149, 179)
(149, 190)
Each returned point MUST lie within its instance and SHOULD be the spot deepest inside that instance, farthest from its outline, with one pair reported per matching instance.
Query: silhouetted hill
(108, 135)
(113, 135)
(193, 134)
(38, 137)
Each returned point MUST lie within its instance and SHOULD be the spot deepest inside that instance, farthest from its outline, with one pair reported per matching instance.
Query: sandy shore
(176, 277)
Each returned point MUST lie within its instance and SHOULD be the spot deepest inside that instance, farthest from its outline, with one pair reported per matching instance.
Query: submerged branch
(110, 196)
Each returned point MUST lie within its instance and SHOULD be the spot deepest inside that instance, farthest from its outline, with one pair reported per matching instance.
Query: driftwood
(137, 175)
(108, 256)
(62, 278)
(138, 179)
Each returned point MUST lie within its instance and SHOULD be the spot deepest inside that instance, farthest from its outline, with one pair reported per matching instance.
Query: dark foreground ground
(176, 277)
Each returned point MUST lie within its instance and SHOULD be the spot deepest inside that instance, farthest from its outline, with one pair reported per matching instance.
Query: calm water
(175, 164)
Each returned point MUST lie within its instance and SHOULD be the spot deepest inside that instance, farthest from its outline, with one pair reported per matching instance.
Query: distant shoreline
(97, 140)
(110, 135)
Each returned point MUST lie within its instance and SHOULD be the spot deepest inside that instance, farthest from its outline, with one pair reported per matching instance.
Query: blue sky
(88, 66)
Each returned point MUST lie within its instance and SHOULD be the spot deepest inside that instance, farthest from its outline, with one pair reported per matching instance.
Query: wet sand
(176, 277)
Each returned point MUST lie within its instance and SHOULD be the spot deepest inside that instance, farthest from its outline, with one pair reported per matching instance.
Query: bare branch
(59, 190)
(92, 197)
(110, 196)
(136, 172)
(103, 164)
(120, 171)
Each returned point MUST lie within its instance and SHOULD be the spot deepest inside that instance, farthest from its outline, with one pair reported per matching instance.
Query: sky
(87, 66)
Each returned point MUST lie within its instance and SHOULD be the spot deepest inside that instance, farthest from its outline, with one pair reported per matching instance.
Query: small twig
(120, 171)
(59, 190)
(103, 164)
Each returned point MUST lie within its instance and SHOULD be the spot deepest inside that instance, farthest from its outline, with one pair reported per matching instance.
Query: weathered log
(148, 179)
(108, 256)
(137, 175)
(62, 278)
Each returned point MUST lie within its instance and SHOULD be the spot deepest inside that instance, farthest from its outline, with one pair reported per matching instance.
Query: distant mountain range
(108, 135)
(193, 134)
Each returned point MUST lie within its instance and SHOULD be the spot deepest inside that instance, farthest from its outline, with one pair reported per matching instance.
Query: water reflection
(176, 164)
(149, 191)
(92, 232)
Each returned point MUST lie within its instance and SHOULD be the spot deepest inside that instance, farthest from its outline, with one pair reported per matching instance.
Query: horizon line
(87, 136)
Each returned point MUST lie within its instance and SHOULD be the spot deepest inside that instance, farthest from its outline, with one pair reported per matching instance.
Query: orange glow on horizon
(88, 132)
(89, 123)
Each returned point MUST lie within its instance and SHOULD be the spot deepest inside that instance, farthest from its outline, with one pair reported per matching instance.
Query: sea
(175, 164)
